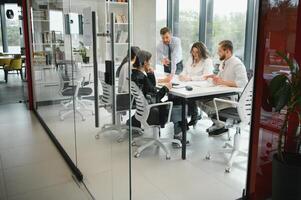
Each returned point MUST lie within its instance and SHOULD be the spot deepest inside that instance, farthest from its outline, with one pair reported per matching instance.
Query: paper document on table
(205, 83)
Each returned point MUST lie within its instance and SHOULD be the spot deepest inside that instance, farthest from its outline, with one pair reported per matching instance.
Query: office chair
(74, 91)
(226, 118)
(142, 114)
(106, 102)
(4, 62)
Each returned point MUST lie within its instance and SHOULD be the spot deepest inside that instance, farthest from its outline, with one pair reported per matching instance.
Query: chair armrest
(150, 106)
(224, 101)
(235, 103)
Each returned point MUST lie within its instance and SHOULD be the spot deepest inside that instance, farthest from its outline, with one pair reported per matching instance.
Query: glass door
(54, 81)
(99, 33)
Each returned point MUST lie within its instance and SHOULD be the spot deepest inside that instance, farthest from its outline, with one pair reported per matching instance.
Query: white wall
(144, 26)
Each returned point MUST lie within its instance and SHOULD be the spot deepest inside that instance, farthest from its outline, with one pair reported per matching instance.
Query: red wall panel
(278, 30)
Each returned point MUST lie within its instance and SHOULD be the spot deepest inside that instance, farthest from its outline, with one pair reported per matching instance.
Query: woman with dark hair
(143, 76)
(198, 65)
(123, 70)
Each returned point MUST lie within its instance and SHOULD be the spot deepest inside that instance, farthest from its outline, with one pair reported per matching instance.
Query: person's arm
(219, 81)
(176, 55)
(123, 79)
(152, 79)
(241, 78)
(151, 89)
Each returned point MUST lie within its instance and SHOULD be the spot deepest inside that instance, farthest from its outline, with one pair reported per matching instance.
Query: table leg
(184, 125)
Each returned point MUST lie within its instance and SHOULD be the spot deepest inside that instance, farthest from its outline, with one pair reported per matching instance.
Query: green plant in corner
(285, 92)
(82, 50)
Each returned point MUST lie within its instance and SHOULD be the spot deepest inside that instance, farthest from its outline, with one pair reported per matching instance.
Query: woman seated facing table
(198, 65)
(143, 76)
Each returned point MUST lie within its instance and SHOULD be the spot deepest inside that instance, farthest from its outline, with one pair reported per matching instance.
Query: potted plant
(83, 52)
(285, 94)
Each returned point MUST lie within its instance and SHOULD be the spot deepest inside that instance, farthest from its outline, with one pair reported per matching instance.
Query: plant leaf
(282, 97)
(277, 83)
(287, 60)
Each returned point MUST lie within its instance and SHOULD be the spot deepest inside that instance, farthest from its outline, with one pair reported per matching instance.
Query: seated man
(232, 73)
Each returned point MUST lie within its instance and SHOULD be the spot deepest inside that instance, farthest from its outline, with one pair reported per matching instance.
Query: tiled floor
(13, 90)
(30, 166)
(105, 164)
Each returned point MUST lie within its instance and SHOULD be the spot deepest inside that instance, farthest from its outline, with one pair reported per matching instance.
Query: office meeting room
(148, 99)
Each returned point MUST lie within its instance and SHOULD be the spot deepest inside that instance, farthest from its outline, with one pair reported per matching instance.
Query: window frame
(206, 19)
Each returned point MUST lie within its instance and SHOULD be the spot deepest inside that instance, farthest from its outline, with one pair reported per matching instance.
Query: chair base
(155, 140)
(123, 129)
(233, 150)
(79, 107)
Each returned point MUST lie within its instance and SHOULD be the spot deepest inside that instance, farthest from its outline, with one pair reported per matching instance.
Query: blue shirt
(176, 52)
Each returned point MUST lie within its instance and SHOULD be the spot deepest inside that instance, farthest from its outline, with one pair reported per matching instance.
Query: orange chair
(14, 65)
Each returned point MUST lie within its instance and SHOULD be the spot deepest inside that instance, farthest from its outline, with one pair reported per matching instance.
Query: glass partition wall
(78, 48)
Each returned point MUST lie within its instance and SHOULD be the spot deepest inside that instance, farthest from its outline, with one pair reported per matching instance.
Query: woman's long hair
(134, 51)
(202, 50)
(142, 57)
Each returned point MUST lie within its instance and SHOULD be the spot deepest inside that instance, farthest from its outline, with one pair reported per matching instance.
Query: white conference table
(201, 90)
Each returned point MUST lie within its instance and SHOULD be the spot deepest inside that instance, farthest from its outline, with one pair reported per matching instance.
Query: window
(188, 24)
(1, 45)
(56, 20)
(229, 23)
(161, 17)
(13, 27)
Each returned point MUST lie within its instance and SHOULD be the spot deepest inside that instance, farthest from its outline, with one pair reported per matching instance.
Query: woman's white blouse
(197, 70)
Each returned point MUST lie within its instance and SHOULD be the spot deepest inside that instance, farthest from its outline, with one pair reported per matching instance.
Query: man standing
(169, 52)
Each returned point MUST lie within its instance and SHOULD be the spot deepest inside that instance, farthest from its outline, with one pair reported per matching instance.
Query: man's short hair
(164, 30)
(226, 45)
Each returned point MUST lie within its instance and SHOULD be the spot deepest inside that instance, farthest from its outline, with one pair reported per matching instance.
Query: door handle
(95, 69)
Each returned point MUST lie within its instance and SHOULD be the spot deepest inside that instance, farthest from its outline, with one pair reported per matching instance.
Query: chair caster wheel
(208, 157)
(97, 137)
(228, 170)
(137, 155)
(167, 157)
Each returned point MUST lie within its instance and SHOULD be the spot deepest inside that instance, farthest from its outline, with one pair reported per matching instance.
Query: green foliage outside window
(189, 31)
(230, 27)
